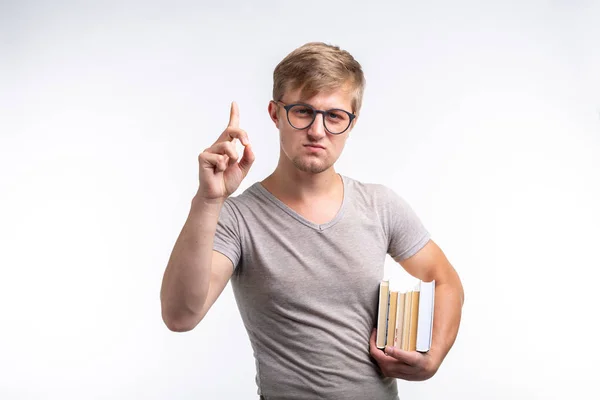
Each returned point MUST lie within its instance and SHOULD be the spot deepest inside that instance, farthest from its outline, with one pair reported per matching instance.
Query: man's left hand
(402, 364)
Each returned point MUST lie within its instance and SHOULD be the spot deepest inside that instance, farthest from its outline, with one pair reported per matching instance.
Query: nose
(317, 128)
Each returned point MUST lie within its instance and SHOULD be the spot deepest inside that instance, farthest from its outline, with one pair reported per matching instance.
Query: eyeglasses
(300, 116)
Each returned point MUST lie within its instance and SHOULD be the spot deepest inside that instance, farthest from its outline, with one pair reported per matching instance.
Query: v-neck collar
(300, 218)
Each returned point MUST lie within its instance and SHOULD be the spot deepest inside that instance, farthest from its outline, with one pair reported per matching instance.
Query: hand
(407, 365)
(220, 173)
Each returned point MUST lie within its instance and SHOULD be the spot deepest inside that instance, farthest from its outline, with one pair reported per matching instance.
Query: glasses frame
(288, 107)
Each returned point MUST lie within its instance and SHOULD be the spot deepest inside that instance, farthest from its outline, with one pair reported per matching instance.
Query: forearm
(449, 297)
(187, 277)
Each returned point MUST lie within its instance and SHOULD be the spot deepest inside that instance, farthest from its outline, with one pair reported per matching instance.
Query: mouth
(314, 146)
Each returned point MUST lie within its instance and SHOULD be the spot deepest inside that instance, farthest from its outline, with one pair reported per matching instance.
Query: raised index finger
(234, 116)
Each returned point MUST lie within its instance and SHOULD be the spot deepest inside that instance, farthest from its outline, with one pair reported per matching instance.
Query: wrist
(435, 359)
(203, 205)
(200, 200)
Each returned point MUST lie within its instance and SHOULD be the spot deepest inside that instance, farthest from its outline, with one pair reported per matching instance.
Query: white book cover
(425, 320)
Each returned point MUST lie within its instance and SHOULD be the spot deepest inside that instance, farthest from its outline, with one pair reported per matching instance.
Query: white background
(485, 116)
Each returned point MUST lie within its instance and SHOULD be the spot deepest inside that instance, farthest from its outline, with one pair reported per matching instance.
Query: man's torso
(308, 293)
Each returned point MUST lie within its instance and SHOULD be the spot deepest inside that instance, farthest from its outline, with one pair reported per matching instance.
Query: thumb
(407, 357)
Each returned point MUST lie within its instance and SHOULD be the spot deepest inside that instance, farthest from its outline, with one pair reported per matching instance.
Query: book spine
(391, 328)
(399, 320)
(406, 321)
(414, 317)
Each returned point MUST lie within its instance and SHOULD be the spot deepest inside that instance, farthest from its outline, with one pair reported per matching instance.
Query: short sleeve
(227, 236)
(405, 230)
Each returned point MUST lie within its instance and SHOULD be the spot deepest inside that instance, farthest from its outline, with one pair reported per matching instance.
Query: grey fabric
(308, 293)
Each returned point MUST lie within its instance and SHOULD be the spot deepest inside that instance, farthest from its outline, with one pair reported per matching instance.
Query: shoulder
(250, 203)
(382, 199)
(245, 197)
(236, 206)
(372, 193)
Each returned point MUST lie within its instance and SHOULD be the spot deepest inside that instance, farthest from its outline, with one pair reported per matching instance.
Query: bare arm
(195, 275)
(429, 264)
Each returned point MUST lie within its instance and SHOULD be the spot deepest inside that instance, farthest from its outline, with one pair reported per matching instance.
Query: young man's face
(312, 149)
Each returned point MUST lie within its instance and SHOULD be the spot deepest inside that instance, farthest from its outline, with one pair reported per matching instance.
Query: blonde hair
(316, 67)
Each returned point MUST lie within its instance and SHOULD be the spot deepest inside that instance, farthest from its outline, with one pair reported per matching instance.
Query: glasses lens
(301, 116)
(336, 121)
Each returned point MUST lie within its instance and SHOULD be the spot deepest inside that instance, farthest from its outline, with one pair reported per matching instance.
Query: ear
(273, 113)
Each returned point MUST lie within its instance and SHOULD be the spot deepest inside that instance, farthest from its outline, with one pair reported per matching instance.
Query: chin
(311, 167)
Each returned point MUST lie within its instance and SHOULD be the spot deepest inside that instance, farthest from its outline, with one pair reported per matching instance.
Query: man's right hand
(220, 171)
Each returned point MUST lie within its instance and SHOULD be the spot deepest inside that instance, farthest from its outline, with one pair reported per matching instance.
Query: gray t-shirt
(308, 293)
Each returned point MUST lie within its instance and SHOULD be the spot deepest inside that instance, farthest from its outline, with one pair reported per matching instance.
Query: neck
(292, 184)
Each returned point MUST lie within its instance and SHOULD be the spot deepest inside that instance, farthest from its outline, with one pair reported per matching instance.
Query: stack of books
(405, 318)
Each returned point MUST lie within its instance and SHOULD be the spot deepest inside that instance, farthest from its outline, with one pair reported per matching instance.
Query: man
(305, 248)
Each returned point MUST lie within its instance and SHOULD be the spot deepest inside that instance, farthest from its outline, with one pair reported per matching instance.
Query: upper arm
(429, 263)
(221, 270)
